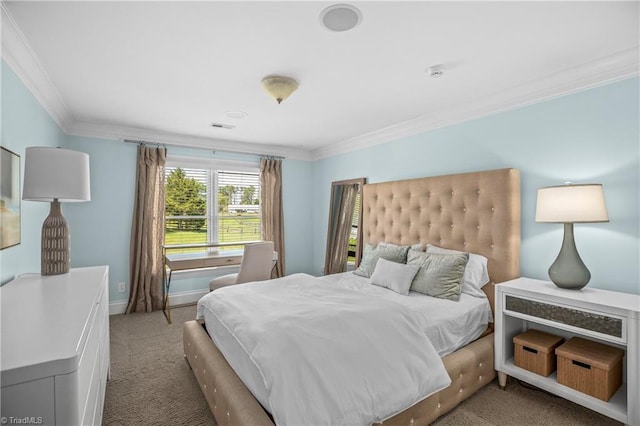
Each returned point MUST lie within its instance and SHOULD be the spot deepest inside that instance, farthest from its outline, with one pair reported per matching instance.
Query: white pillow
(476, 273)
(394, 276)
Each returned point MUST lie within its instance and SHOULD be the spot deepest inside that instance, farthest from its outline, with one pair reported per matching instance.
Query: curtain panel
(147, 232)
(271, 207)
(340, 231)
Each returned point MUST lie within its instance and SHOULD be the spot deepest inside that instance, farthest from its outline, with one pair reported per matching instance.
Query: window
(211, 202)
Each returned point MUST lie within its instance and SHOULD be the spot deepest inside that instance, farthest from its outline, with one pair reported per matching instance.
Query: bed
(474, 212)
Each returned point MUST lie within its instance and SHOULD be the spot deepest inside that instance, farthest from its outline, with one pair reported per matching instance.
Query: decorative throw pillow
(371, 254)
(476, 273)
(368, 261)
(440, 275)
(416, 246)
(394, 276)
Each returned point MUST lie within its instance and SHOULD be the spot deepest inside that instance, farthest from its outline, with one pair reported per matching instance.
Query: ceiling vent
(236, 115)
(223, 126)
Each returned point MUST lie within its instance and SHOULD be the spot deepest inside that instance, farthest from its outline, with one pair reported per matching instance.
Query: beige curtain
(147, 232)
(340, 227)
(271, 206)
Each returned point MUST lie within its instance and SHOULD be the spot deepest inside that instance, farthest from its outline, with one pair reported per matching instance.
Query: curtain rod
(275, 157)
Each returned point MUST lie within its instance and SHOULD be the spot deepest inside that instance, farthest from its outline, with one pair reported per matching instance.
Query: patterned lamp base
(54, 256)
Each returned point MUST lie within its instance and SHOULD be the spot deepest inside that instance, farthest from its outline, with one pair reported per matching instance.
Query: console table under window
(209, 257)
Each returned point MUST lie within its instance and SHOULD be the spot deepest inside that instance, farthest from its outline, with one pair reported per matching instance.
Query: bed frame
(475, 212)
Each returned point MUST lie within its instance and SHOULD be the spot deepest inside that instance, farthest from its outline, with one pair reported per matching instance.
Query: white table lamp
(569, 204)
(55, 175)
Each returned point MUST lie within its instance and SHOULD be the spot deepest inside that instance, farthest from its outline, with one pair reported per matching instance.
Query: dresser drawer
(89, 357)
(103, 316)
(32, 399)
(93, 394)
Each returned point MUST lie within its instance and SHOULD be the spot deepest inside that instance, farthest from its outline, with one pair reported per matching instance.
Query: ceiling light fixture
(435, 71)
(279, 87)
(340, 17)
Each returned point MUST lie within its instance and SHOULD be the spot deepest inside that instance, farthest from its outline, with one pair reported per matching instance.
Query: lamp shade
(571, 204)
(56, 173)
(278, 87)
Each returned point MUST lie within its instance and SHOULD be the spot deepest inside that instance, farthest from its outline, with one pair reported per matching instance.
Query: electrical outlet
(121, 287)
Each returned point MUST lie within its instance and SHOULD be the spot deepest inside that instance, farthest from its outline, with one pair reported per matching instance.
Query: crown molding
(18, 54)
(606, 70)
(108, 131)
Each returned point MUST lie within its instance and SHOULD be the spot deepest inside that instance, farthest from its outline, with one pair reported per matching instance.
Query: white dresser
(55, 347)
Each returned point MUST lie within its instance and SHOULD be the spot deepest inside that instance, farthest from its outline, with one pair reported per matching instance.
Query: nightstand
(599, 315)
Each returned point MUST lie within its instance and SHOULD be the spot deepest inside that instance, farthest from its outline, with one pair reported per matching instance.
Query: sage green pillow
(371, 254)
(440, 275)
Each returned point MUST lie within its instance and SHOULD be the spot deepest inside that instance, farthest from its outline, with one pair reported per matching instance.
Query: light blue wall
(587, 137)
(298, 202)
(100, 229)
(24, 123)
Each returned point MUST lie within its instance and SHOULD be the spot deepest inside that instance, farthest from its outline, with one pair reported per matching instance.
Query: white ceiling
(164, 71)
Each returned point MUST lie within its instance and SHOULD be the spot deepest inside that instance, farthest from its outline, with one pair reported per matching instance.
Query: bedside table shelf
(605, 316)
(616, 407)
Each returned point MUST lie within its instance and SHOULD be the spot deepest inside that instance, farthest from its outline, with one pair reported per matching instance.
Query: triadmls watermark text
(26, 420)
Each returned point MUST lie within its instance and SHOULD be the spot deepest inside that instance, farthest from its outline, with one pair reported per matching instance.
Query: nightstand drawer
(595, 322)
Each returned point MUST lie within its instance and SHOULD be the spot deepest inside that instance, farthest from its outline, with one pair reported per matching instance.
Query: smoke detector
(435, 71)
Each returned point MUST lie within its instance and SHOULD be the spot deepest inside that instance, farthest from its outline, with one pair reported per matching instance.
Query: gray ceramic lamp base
(568, 270)
(54, 254)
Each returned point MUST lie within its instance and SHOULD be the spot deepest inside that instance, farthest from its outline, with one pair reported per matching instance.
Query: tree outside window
(185, 196)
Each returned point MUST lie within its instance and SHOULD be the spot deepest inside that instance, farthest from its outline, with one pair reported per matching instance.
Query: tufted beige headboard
(474, 212)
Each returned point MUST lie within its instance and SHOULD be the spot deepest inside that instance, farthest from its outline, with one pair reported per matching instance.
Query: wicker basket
(533, 351)
(590, 367)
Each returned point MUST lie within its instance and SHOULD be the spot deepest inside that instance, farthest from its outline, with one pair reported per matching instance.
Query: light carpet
(151, 384)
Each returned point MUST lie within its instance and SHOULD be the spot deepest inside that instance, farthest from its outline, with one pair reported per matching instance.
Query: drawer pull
(581, 364)
(528, 349)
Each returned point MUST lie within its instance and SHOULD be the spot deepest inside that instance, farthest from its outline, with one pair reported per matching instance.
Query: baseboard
(117, 308)
(187, 297)
(181, 298)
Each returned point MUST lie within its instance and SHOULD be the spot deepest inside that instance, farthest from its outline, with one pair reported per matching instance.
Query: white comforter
(327, 354)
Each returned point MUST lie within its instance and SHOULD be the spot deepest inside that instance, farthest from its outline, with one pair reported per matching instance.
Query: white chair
(256, 265)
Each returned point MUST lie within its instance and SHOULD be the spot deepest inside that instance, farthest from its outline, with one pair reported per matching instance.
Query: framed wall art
(9, 198)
